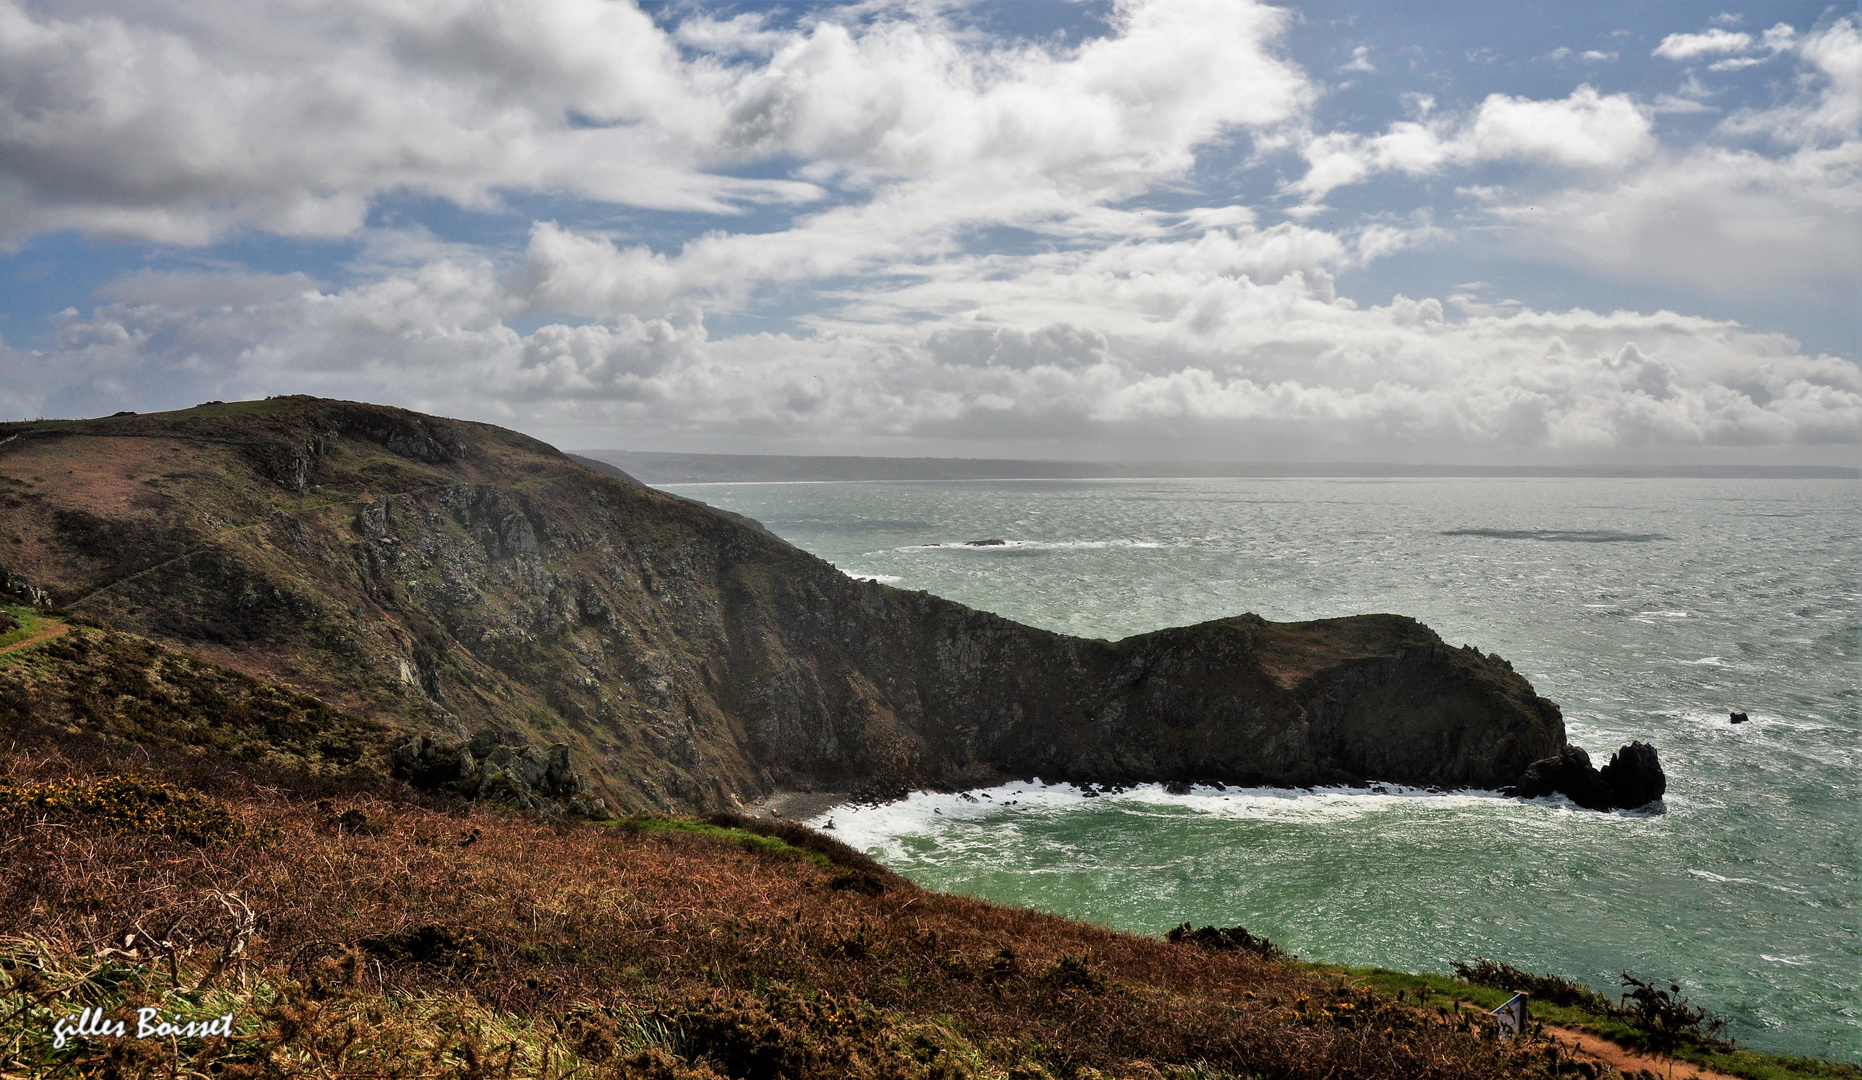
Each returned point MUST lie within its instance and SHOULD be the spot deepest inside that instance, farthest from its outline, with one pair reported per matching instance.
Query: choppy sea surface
(1649, 609)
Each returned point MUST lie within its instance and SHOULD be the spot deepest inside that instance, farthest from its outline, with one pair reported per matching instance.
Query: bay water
(1648, 609)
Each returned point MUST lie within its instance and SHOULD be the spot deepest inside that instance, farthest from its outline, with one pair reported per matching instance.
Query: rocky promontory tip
(1633, 778)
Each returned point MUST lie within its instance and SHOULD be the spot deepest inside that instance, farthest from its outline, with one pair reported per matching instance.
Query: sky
(1218, 230)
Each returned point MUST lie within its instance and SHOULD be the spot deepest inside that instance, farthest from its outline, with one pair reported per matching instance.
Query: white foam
(1705, 661)
(1793, 961)
(1663, 614)
(883, 579)
(946, 818)
(1711, 876)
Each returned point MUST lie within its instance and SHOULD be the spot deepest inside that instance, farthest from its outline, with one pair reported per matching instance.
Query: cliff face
(450, 578)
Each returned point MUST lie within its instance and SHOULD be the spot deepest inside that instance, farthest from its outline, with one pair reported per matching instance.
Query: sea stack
(1633, 778)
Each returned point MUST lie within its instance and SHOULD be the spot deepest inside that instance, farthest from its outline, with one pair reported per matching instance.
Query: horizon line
(670, 467)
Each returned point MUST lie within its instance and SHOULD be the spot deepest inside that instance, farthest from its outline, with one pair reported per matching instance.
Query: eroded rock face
(448, 577)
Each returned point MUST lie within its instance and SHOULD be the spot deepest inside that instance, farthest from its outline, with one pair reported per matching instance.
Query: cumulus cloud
(1723, 215)
(842, 169)
(1237, 331)
(176, 123)
(1584, 130)
(1709, 43)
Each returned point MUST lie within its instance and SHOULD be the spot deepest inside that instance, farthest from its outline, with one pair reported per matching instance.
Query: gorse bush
(1233, 937)
(124, 804)
(1667, 1016)
(1555, 989)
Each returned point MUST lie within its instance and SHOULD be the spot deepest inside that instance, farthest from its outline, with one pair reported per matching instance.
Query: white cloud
(905, 136)
(1360, 60)
(1709, 43)
(177, 123)
(1723, 216)
(1235, 332)
(1584, 130)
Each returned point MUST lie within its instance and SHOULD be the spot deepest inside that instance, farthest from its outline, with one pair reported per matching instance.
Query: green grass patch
(18, 622)
(1430, 991)
(755, 843)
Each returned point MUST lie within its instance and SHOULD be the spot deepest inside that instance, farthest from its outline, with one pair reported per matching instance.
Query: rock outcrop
(1633, 778)
(502, 768)
(446, 578)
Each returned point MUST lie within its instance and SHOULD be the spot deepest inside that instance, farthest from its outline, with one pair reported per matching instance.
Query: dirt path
(46, 634)
(1628, 1061)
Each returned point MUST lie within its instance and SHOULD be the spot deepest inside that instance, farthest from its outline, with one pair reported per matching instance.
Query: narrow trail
(1628, 1061)
(46, 634)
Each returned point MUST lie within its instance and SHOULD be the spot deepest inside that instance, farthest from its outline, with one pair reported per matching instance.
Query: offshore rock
(1568, 773)
(1633, 778)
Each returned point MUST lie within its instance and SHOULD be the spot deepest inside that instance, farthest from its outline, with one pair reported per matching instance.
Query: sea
(1648, 609)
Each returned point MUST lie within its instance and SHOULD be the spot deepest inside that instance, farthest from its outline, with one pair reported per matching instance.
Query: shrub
(1554, 989)
(1233, 937)
(1667, 1017)
(125, 804)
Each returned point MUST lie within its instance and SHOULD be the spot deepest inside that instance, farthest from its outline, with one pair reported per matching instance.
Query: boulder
(1739, 718)
(1634, 776)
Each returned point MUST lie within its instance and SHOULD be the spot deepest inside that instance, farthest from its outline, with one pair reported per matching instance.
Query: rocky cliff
(450, 579)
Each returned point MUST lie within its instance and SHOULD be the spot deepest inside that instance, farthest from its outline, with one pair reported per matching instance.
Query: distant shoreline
(651, 467)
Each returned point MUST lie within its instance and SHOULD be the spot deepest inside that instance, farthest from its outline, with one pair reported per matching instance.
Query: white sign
(1511, 1018)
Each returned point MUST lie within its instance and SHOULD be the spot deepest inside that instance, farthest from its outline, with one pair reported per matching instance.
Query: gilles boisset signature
(91, 1023)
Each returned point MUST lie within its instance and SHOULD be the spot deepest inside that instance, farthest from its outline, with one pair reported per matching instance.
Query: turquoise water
(1647, 608)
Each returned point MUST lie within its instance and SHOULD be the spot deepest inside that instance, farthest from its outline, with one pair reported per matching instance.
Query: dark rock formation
(1738, 718)
(1633, 778)
(501, 768)
(1568, 773)
(444, 577)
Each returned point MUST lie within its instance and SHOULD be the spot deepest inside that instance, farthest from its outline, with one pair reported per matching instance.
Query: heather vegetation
(370, 930)
(357, 926)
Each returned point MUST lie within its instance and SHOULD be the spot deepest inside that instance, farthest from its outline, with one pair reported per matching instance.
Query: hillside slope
(448, 577)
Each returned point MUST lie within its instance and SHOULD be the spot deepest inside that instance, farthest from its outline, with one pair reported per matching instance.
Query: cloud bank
(953, 237)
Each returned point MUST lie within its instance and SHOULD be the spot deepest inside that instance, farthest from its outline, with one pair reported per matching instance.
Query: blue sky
(1162, 228)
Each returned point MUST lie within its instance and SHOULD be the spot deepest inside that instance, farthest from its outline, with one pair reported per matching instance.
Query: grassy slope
(413, 940)
(395, 935)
